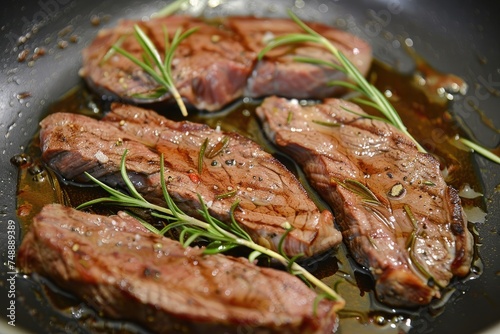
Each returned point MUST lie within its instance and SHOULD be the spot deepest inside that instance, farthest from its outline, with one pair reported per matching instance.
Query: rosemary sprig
(159, 69)
(360, 83)
(222, 236)
(375, 100)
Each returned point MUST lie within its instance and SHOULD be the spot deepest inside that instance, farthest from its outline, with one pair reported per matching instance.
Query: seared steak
(232, 168)
(211, 68)
(126, 272)
(280, 74)
(398, 216)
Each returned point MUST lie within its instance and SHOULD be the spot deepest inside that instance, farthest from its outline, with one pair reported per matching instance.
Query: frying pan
(459, 37)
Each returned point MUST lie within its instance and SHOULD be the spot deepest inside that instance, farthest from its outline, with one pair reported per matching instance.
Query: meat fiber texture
(126, 272)
(233, 168)
(399, 218)
(218, 63)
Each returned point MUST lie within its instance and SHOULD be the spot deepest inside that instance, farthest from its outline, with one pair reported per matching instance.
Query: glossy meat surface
(398, 217)
(126, 272)
(218, 63)
(232, 168)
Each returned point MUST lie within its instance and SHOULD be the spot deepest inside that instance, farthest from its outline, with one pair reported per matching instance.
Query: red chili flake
(194, 177)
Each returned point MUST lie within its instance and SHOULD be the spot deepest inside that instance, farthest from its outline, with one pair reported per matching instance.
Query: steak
(398, 216)
(218, 64)
(210, 67)
(232, 168)
(278, 73)
(126, 272)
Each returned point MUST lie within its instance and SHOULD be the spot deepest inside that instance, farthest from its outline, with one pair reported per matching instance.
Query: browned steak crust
(398, 216)
(126, 272)
(269, 195)
(218, 63)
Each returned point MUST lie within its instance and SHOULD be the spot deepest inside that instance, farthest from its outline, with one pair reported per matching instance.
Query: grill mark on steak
(218, 64)
(269, 195)
(125, 272)
(378, 231)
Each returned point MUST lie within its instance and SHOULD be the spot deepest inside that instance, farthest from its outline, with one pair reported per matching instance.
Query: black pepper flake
(230, 162)
(431, 283)
(150, 272)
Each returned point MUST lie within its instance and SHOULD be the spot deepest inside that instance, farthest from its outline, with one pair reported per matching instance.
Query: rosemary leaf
(369, 104)
(410, 244)
(144, 223)
(320, 62)
(345, 84)
(201, 155)
(289, 117)
(330, 124)
(364, 115)
(361, 189)
(235, 227)
(141, 64)
(226, 195)
(112, 51)
(126, 179)
(154, 94)
(285, 40)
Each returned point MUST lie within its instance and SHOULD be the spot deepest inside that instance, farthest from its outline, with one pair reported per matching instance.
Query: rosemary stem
(178, 99)
(387, 109)
(296, 268)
